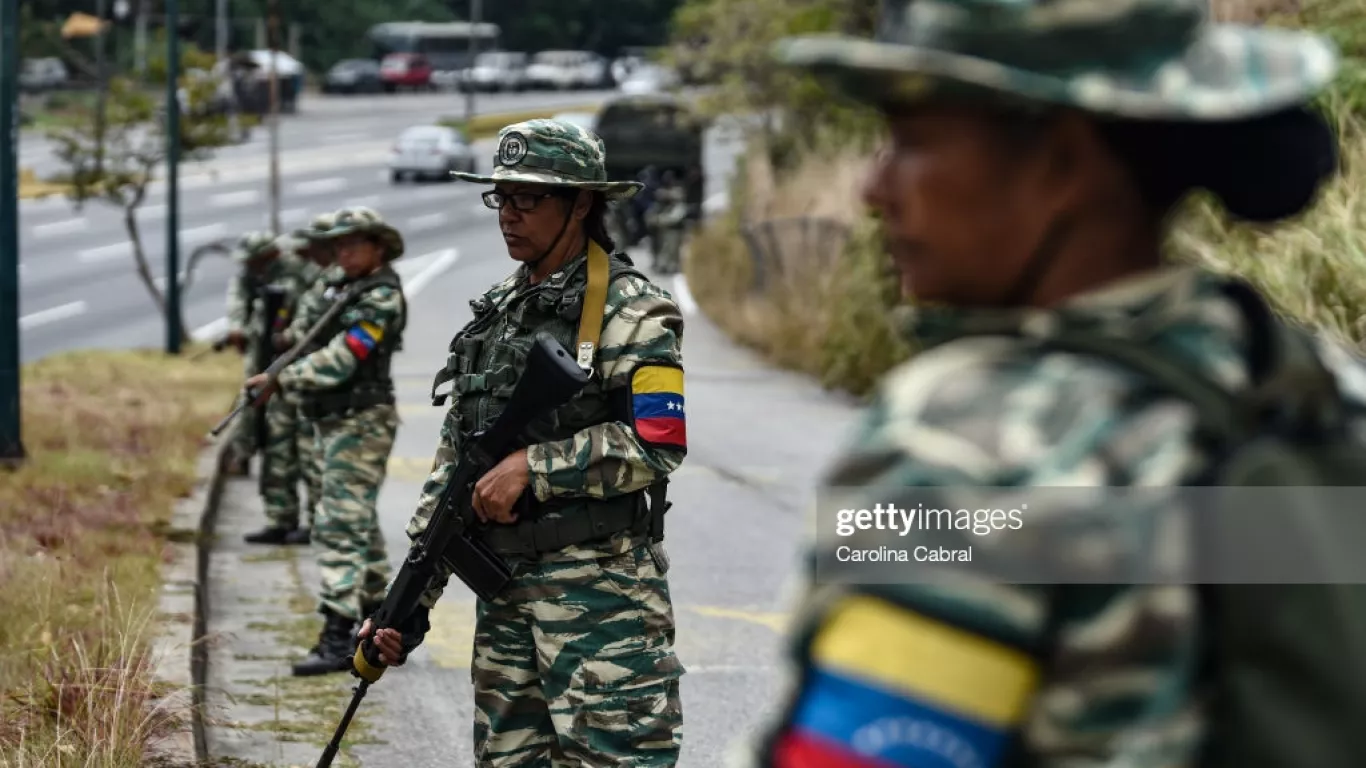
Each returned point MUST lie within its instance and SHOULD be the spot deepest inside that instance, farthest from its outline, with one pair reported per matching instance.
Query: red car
(405, 71)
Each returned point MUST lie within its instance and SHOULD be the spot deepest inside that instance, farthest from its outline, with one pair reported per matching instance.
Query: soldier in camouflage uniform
(667, 220)
(282, 461)
(323, 275)
(346, 387)
(1036, 151)
(574, 663)
(256, 254)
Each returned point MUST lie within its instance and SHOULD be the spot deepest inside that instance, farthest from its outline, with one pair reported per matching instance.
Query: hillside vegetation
(820, 300)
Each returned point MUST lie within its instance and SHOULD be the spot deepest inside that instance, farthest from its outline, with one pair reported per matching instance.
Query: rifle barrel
(334, 745)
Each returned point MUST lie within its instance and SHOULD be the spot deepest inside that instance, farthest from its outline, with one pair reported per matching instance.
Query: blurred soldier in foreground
(574, 661)
(283, 459)
(346, 387)
(1036, 151)
(667, 221)
(256, 254)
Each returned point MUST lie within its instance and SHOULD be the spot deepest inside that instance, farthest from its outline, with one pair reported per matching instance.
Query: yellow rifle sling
(594, 306)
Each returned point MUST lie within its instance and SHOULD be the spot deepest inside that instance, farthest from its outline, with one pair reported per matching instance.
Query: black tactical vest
(486, 360)
(372, 383)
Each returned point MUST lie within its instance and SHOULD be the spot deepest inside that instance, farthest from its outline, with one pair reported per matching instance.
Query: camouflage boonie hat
(1145, 59)
(362, 220)
(254, 244)
(556, 153)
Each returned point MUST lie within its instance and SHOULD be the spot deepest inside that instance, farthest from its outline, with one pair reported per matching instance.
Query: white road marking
(235, 199)
(430, 221)
(340, 138)
(68, 226)
(320, 186)
(684, 295)
(199, 234)
(440, 262)
(369, 201)
(52, 315)
(105, 253)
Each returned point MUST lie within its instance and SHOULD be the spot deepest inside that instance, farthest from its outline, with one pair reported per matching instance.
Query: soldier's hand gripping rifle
(550, 379)
(283, 361)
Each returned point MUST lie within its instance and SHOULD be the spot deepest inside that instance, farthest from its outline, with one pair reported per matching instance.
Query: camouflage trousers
(350, 546)
(574, 666)
(289, 457)
(243, 437)
(668, 249)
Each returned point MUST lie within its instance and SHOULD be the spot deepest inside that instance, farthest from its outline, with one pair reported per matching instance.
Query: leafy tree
(117, 164)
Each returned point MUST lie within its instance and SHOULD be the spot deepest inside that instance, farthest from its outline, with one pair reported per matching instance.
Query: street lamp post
(173, 329)
(11, 447)
(476, 12)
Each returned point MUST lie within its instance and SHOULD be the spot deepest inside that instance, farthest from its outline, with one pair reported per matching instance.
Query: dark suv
(655, 130)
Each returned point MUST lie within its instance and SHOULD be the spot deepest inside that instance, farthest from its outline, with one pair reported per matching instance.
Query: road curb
(179, 648)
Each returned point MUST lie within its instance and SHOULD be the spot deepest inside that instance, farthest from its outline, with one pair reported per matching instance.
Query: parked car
(353, 76)
(430, 151)
(405, 71)
(43, 74)
(650, 78)
(498, 71)
(568, 70)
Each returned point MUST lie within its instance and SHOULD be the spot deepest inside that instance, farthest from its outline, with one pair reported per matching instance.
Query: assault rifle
(272, 302)
(550, 379)
(283, 361)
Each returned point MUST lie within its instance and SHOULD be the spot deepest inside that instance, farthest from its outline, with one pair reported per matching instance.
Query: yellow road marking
(451, 639)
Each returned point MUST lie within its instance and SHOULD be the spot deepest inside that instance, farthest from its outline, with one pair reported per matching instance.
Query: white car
(430, 151)
(650, 78)
(583, 119)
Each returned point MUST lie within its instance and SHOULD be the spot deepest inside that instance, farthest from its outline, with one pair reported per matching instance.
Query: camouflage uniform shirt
(379, 311)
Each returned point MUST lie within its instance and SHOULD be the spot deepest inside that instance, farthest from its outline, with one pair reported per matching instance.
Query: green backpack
(1285, 662)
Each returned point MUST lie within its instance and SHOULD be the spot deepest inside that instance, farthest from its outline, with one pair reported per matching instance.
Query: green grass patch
(113, 440)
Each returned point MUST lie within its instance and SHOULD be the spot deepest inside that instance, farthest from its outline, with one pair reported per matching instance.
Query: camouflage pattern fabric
(1143, 59)
(668, 219)
(550, 693)
(552, 152)
(282, 467)
(351, 551)
(598, 611)
(354, 456)
(984, 413)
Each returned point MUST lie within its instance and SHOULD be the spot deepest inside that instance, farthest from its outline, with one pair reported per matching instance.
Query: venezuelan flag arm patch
(362, 338)
(657, 406)
(889, 687)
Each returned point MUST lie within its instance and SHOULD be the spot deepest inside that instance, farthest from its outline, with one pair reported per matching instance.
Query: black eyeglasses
(522, 201)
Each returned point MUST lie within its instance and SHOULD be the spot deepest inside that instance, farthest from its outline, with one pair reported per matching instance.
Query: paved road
(78, 287)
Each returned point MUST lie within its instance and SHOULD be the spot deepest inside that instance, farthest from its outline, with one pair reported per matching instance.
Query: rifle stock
(551, 379)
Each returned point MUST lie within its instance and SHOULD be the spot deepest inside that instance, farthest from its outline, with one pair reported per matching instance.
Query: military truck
(654, 130)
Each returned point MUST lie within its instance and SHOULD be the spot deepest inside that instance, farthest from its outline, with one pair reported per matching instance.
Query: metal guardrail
(793, 245)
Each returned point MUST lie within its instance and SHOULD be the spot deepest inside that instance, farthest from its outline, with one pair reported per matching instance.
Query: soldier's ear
(583, 203)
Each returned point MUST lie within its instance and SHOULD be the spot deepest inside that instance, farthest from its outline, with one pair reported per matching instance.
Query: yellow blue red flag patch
(657, 406)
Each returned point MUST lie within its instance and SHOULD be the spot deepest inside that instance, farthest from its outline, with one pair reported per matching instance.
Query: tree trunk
(130, 223)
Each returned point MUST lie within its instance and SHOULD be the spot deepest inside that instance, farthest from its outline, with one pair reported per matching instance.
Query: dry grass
(113, 439)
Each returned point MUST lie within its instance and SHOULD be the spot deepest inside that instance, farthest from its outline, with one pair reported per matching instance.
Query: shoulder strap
(594, 306)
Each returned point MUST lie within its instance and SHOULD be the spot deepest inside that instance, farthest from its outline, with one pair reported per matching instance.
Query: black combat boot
(269, 535)
(334, 649)
(301, 536)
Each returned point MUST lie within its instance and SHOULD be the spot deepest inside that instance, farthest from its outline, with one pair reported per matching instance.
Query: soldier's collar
(1114, 305)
